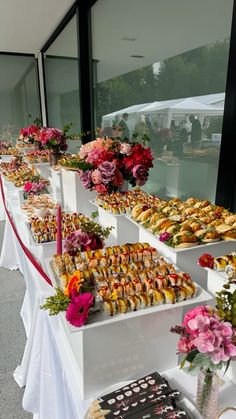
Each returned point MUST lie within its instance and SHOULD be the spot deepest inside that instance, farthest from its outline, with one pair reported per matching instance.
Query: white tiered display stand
(123, 231)
(76, 197)
(112, 349)
(187, 259)
(57, 186)
(215, 282)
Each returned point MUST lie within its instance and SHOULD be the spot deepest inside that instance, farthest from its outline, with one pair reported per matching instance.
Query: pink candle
(59, 231)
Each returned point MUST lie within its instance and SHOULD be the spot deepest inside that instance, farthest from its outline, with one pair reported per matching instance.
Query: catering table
(50, 367)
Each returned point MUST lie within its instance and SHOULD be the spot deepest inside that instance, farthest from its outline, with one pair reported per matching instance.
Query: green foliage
(56, 303)
(226, 304)
(94, 214)
(93, 227)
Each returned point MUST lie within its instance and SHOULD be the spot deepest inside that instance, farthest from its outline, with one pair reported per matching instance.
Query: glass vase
(54, 156)
(207, 394)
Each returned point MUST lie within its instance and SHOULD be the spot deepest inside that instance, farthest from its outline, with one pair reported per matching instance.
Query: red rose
(118, 179)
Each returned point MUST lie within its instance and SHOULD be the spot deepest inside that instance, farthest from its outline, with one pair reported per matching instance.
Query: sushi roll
(110, 307)
(156, 297)
(145, 300)
(181, 293)
(169, 295)
(148, 284)
(191, 289)
(122, 305)
(230, 271)
(134, 302)
(220, 263)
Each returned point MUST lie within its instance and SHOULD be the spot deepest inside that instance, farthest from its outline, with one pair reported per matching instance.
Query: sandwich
(208, 235)
(185, 239)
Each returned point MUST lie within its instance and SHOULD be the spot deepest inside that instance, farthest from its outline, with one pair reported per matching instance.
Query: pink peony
(125, 148)
(96, 177)
(78, 309)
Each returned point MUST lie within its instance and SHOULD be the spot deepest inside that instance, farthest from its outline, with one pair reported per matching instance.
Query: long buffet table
(63, 368)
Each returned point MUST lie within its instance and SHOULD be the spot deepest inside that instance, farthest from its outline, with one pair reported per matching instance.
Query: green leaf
(183, 362)
(56, 303)
(94, 214)
(190, 357)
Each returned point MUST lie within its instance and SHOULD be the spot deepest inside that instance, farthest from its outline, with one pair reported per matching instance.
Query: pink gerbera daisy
(78, 309)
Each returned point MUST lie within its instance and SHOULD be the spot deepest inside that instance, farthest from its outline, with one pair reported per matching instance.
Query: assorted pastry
(126, 278)
(44, 229)
(40, 205)
(147, 397)
(186, 224)
(19, 173)
(123, 202)
(37, 156)
(10, 151)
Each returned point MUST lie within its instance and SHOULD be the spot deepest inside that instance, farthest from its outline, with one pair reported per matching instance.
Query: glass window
(164, 64)
(19, 94)
(62, 81)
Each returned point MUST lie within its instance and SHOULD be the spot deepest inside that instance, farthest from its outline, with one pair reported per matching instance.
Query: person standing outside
(196, 131)
(124, 127)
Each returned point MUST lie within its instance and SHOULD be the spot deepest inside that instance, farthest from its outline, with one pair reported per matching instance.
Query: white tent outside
(181, 108)
(165, 111)
(131, 110)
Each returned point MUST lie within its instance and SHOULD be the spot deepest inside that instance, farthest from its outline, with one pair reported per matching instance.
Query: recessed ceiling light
(137, 56)
(128, 38)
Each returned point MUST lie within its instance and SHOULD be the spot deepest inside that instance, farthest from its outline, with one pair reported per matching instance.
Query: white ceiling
(161, 29)
(25, 25)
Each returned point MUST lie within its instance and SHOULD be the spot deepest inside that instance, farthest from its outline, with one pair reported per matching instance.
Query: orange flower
(74, 283)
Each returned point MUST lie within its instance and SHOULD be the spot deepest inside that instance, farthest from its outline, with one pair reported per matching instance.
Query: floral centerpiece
(34, 188)
(29, 135)
(54, 140)
(208, 343)
(79, 295)
(106, 163)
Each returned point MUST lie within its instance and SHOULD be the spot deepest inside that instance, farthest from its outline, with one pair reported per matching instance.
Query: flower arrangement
(34, 188)
(52, 139)
(90, 236)
(30, 134)
(78, 296)
(106, 163)
(208, 343)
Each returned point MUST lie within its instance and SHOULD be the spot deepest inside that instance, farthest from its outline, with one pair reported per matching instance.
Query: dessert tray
(117, 400)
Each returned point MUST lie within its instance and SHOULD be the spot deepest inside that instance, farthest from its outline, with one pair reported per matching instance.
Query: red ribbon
(29, 255)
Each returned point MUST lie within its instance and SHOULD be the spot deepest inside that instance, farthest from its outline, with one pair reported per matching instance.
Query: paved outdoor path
(12, 341)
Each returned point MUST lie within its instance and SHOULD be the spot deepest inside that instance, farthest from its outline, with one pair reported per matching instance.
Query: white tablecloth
(48, 369)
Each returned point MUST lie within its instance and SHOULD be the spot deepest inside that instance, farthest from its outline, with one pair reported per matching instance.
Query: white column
(41, 88)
